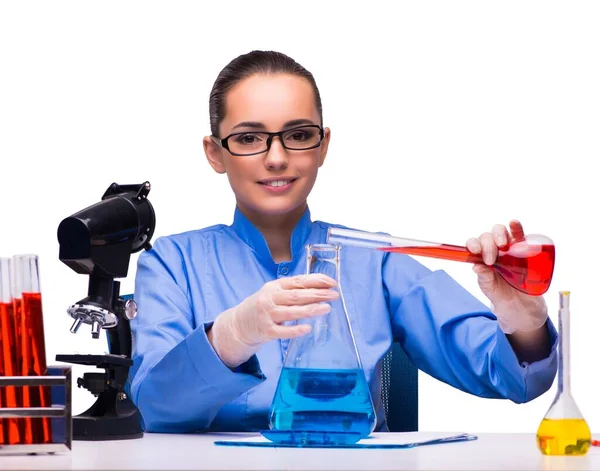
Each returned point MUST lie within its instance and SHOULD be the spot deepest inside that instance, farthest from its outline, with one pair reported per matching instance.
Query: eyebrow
(257, 125)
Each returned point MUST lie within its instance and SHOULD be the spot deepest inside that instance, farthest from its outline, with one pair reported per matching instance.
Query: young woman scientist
(210, 337)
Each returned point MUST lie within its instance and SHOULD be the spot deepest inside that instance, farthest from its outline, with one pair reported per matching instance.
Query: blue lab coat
(182, 284)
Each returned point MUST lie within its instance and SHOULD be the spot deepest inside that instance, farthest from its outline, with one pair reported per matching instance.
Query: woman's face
(278, 181)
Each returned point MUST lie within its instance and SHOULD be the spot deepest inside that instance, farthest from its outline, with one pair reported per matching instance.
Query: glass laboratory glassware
(31, 348)
(8, 353)
(563, 430)
(526, 264)
(322, 393)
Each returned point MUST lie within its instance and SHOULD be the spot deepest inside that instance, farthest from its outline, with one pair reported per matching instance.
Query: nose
(277, 157)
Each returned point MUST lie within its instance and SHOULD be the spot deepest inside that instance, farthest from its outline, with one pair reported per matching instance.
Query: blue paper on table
(307, 439)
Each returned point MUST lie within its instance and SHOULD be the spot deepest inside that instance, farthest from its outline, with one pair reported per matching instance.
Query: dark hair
(265, 62)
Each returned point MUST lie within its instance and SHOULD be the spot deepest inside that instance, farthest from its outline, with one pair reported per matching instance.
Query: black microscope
(98, 241)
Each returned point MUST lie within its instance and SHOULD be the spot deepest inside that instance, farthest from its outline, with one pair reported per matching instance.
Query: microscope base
(113, 416)
(88, 428)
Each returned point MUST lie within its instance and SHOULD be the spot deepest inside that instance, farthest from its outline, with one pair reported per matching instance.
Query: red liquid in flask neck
(527, 264)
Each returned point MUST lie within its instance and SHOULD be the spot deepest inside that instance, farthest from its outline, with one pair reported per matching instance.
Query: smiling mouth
(278, 183)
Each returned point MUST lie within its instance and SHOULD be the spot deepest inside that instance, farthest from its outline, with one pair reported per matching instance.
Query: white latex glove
(516, 311)
(239, 332)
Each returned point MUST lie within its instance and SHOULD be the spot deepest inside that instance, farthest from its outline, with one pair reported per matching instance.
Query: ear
(214, 154)
(324, 145)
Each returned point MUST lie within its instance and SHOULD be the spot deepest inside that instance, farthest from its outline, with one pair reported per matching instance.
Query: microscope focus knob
(127, 307)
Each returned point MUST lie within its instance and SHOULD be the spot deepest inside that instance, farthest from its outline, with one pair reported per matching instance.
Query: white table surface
(158, 451)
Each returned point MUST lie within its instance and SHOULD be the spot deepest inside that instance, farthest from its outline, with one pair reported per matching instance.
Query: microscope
(98, 242)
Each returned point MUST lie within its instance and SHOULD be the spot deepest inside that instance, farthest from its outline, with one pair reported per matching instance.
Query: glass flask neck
(564, 344)
(324, 258)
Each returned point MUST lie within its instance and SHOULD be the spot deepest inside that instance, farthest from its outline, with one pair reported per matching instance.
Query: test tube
(9, 395)
(7, 358)
(27, 303)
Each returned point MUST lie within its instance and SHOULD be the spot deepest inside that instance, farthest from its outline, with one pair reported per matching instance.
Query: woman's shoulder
(184, 243)
(207, 232)
(193, 234)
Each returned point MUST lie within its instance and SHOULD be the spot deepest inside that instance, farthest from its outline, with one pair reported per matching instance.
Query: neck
(564, 346)
(277, 230)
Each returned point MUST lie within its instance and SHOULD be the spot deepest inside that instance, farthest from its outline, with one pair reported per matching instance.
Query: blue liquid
(323, 400)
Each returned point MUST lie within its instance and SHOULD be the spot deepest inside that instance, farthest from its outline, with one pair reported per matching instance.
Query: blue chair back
(400, 391)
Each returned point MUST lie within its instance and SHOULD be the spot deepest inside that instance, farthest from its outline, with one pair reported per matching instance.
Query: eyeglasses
(252, 143)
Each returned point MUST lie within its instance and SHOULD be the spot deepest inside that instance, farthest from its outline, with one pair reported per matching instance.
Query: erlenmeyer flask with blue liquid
(323, 394)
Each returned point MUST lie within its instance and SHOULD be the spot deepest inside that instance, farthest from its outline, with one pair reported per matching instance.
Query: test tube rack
(57, 377)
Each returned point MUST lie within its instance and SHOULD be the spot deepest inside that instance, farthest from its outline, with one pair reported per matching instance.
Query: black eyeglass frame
(225, 144)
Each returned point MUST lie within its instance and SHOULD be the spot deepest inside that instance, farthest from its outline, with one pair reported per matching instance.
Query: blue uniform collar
(248, 232)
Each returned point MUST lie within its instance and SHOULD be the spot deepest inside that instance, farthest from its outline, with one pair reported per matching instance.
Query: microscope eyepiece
(100, 238)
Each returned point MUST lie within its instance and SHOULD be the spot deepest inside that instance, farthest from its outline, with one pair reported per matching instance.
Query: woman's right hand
(239, 332)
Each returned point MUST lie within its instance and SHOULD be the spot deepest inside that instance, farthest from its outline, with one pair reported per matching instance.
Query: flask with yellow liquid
(564, 431)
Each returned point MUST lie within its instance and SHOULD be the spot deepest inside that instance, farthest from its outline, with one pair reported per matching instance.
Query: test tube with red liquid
(526, 264)
(9, 428)
(31, 348)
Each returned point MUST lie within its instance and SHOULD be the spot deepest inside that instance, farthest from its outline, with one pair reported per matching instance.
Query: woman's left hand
(516, 311)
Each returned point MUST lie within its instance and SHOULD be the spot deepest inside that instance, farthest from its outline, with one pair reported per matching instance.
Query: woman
(212, 333)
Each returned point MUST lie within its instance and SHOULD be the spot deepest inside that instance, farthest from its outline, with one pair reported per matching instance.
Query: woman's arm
(452, 336)
(178, 382)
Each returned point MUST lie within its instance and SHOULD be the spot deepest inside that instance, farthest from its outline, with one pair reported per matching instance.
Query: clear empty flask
(322, 392)
(564, 431)
(526, 264)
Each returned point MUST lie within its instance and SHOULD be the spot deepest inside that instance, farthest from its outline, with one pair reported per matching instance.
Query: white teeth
(278, 183)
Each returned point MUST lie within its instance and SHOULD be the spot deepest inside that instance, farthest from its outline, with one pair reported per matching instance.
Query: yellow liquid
(564, 437)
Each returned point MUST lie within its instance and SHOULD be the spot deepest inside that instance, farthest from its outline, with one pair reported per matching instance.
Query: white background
(446, 118)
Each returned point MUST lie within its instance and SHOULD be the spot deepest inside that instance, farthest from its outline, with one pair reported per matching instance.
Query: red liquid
(8, 367)
(32, 350)
(525, 266)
